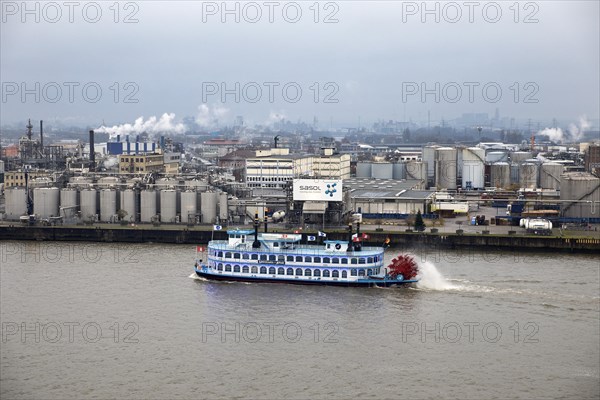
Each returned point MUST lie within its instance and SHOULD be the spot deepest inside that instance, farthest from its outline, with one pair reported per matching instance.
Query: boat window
(220, 267)
(317, 260)
(281, 259)
(325, 273)
(299, 271)
(254, 269)
(228, 267)
(272, 257)
(335, 273)
(307, 272)
(353, 272)
(245, 269)
(361, 272)
(344, 261)
(263, 270)
(290, 258)
(369, 272)
(361, 260)
(317, 272)
(280, 271)
(344, 274)
(245, 256)
(369, 260)
(272, 270)
(275, 244)
(228, 255)
(376, 258)
(236, 268)
(335, 260)
(308, 259)
(263, 257)
(353, 260)
(220, 254)
(326, 260)
(290, 271)
(298, 258)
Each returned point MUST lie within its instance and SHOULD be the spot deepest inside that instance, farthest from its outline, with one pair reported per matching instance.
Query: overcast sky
(374, 61)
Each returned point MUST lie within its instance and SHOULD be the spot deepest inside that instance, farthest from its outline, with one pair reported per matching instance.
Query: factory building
(141, 163)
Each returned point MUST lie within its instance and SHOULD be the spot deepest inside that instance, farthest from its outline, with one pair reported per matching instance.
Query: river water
(128, 321)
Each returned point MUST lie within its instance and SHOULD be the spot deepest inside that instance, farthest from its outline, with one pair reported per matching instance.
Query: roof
(404, 194)
(314, 207)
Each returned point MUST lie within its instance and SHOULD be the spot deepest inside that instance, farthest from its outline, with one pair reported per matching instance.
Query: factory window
(245, 269)
(335, 260)
(361, 260)
(325, 273)
(353, 272)
(344, 274)
(290, 271)
(254, 257)
(227, 267)
(353, 260)
(344, 261)
(280, 271)
(307, 272)
(326, 260)
(245, 256)
(272, 270)
(254, 269)
(263, 270)
(236, 268)
(335, 273)
(299, 271)
(317, 272)
(298, 258)
(308, 259)
(317, 260)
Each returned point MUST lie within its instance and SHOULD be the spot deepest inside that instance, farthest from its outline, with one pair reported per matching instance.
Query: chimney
(42, 134)
(92, 153)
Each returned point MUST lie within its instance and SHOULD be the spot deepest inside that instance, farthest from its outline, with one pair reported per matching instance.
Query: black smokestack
(42, 133)
(92, 153)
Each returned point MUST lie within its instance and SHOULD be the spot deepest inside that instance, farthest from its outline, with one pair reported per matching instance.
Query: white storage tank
(528, 175)
(580, 195)
(473, 168)
(108, 205)
(500, 175)
(16, 203)
(399, 171)
(189, 206)
(514, 173)
(129, 205)
(168, 206)
(381, 171)
(223, 210)
(429, 158)
(445, 168)
(148, 202)
(520, 156)
(496, 156)
(68, 202)
(88, 204)
(208, 201)
(363, 170)
(550, 175)
(45, 202)
(417, 170)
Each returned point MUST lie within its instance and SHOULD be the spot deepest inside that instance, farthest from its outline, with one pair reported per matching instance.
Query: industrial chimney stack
(92, 153)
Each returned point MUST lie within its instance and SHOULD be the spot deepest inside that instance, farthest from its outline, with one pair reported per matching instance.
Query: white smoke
(274, 117)
(554, 134)
(208, 117)
(153, 125)
(574, 133)
(577, 131)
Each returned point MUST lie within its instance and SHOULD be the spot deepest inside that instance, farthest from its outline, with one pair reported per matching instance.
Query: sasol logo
(310, 187)
(331, 189)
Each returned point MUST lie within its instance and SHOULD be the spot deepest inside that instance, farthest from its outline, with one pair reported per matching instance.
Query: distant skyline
(372, 64)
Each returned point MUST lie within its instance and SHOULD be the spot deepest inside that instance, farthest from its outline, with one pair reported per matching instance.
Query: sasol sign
(317, 190)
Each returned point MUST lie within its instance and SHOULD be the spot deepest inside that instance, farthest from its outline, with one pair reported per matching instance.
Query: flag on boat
(356, 238)
(311, 238)
(386, 243)
(217, 227)
(199, 249)
(365, 236)
(322, 234)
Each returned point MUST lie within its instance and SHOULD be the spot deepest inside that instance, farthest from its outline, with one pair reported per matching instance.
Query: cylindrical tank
(473, 168)
(496, 156)
(514, 173)
(168, 206)
(45, 202)
(429, 158)
(381, 171)
(108, 205)
(166, 183)
(528, 175)
(88, 204)
(68, 197)
(445, 168)
(208, 200)
(520, 156)
(148, 205)
(417, 170)
(459, 161)
(579, 195)
(363, 170)
(536, 223)
(41, 182)
(550, 175)
(16, 203)
(399, 171)
(108, 182)
(223, 211)
(500, 175)
(129, 205)
(189, 201)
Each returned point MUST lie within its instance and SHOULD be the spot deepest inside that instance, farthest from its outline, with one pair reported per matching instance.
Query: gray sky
(372, 57)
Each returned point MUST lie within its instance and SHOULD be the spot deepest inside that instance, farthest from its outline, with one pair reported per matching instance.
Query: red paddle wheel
(404, 265)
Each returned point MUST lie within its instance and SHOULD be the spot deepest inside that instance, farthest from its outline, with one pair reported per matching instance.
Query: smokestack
(42, 133)
(92, 152)
(118, 138)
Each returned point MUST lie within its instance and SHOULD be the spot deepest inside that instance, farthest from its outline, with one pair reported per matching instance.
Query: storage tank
(16, 203)
(189, 206)
(167, 183)
(148, 199)
(129, 205)
(429, 158)
(45, 202)
(381, 171)
(108, 205)
(168, 206)
(500, 175)
(580, 195)
(68, 202)
(528, 175)
(496, 156)
(520, 156)
(514, 174)
(363, 170)
(399, 171)
(473, 168)
(459, 160)
(445, 168)
(550, 175)
(41, 182)
(108, 182)
(417, 170)
(88, 204)
(223, 211)
(208, 201)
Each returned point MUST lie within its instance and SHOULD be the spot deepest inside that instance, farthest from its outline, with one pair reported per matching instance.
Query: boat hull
(296, 281)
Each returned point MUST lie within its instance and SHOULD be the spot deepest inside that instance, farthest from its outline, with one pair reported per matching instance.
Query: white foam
(430, 278)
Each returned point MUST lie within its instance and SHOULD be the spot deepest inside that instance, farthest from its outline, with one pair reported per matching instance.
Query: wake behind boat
(282, 258)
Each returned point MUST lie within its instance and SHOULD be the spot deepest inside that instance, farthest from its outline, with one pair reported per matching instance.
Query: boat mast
(256, 243)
